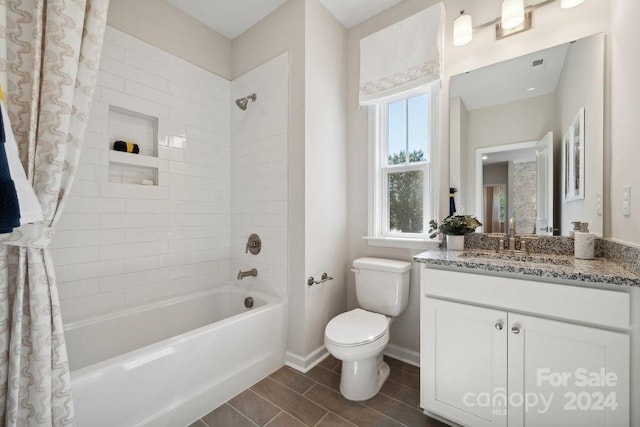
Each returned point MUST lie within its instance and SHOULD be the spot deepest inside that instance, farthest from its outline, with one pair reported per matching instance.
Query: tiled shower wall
(259, 174)
(125, 244)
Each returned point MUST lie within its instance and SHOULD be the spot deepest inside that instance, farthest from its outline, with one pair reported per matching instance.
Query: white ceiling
(352, 12)
(228, 17)
(233, 17)
(511, 80)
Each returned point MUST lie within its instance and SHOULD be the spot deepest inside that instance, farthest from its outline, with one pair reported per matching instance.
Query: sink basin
(506, 256)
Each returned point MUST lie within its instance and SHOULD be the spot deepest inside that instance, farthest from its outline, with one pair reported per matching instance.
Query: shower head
(242, 102)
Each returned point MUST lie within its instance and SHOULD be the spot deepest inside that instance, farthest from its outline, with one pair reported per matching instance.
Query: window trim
(378, 198)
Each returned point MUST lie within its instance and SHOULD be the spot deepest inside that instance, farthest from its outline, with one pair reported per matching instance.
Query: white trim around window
(378, 230)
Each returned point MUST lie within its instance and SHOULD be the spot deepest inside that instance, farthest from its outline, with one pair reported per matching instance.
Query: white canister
(584, 245)
(455, 243)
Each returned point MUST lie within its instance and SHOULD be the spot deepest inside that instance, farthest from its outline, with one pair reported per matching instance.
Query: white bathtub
(167, 364)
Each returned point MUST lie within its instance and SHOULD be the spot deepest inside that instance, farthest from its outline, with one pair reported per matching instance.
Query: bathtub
(169, 363)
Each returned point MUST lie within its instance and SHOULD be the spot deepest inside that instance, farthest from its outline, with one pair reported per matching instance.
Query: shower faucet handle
(254, 245)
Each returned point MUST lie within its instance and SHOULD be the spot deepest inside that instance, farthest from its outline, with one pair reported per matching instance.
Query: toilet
(359, 336)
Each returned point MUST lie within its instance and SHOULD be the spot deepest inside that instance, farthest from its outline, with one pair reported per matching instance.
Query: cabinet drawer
(580, 304)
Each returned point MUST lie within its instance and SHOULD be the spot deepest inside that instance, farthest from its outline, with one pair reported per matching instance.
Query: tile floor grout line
(399, 401)
(363, 405)
(329, 411)
(294, 417)
(298, 373)
(292, 390)
(276, 416)
(249, 419)
(304, 394)
(320, 420)
(289, 388)
(259, 396)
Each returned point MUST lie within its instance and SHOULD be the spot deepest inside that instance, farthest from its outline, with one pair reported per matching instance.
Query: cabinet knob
(499, 326)
(515, 330)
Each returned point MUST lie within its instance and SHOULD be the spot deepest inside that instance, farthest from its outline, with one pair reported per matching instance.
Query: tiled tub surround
(171, 362)
(120, 245)
(259, 174)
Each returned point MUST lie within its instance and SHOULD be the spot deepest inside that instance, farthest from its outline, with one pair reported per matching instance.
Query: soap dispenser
(584, 242)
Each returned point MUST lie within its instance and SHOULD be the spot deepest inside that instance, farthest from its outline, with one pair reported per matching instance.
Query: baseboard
(305, 364)
(403, 354)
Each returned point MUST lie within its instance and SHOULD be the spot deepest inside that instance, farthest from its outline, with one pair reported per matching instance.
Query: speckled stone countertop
(558, 267)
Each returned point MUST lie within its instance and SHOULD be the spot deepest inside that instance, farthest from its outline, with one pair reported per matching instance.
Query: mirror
(526, 140)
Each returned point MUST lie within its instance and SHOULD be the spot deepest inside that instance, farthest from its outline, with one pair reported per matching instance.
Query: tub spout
(242, 274)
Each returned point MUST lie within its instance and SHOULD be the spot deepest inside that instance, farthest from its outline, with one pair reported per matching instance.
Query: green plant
(455, 225)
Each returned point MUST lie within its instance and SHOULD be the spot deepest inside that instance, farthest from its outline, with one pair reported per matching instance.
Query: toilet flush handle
(355, 270)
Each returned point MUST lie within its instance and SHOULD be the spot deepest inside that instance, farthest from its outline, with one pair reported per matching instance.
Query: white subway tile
(89, 270)
(83, 238)
(119, 221)
(130, 280)
(111, 81)
(130, 250)
(79, 288)
(154, 95)
(66, 256)
(142, 263)
(71, 221)
(154, 291)
(130, 191)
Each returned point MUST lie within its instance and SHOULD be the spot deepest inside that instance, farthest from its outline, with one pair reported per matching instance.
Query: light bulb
(566, 4)
(462, 30)
(512, 13)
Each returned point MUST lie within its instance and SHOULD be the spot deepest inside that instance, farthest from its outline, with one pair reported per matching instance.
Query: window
(402, 166)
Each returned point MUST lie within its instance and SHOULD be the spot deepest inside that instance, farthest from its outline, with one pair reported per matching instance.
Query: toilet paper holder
(311, 281)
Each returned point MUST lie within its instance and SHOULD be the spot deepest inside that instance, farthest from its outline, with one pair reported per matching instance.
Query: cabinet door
(567, 375)
(464, 362)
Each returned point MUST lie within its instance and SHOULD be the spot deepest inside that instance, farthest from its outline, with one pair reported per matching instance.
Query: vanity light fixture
(462, 29)
(485, 157)
(567, 4)
(512, 13)
(515, 18)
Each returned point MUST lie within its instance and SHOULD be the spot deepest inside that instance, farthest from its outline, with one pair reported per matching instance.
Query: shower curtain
(49, 56)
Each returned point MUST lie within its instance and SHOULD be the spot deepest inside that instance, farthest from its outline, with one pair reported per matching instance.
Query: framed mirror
(526, 140)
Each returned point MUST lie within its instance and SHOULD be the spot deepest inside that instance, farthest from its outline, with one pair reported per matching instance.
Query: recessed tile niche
(138, 128)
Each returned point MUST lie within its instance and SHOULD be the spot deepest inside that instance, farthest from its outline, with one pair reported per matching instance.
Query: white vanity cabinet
(487, 363)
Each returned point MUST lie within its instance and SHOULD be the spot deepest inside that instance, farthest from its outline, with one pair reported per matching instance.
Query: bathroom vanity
(548, 341)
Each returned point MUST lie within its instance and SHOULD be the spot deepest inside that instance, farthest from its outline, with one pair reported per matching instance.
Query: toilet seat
(356, 327)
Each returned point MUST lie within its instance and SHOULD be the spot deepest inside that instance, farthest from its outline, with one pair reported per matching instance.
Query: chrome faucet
(242, 274)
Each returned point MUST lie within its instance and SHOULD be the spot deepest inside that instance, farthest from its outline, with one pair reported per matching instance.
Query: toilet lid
(356, 327)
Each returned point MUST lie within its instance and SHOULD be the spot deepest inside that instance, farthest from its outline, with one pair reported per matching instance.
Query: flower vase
(455, 243)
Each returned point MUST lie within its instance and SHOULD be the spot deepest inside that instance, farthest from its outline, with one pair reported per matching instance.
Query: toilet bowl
(358, 337)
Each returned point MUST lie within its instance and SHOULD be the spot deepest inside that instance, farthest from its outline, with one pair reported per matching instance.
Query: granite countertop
(559, 267)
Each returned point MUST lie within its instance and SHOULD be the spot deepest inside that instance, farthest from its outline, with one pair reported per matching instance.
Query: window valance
(402, 56)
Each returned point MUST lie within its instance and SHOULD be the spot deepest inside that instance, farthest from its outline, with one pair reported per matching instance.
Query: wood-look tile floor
(288, 398)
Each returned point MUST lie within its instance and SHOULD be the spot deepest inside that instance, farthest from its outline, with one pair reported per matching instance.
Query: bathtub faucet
(242, 274)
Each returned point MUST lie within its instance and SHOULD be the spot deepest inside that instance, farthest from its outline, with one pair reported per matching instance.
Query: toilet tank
(382, 285)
